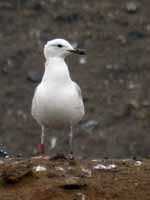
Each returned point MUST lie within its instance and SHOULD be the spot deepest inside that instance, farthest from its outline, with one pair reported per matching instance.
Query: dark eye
(59, 45)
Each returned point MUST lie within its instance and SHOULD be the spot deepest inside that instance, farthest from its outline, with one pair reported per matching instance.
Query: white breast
(57, 107)
(57, 101)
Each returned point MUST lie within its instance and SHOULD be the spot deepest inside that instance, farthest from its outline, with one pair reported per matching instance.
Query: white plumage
(57, 101)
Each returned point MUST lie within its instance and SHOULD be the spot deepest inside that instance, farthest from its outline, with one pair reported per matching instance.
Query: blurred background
(114, 75)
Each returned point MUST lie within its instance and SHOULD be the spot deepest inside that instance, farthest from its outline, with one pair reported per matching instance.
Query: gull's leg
(42, 145)
(71, 140)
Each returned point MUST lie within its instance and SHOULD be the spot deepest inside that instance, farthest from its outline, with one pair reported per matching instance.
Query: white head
(59, 48)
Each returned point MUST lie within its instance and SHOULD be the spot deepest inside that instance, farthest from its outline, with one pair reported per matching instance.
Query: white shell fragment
(87, 172)
(138, 163)
(81, 195)
(39, 168)
(59, 168)
(107, 167)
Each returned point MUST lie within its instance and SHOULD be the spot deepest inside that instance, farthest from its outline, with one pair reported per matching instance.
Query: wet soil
(74, 179)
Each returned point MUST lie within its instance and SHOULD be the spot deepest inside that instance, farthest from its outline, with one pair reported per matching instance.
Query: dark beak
(78, 51)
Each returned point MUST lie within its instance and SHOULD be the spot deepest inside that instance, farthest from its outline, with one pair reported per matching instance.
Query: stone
(16, 172)
(122, 39)
(83, 60)
(131, 7)
(3, 153)
(134, 35)
(74, 183)
(89, 125)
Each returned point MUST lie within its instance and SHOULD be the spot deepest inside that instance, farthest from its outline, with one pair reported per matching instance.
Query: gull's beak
(78, 51)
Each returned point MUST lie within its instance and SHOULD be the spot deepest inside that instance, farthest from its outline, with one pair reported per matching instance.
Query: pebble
(112, 66)
(58, 168)
(134, 35)
(22, 114)
(131, 7)
(107, 167)
(3, 154)
(83, 60)
(138, 163)
(74, 183)
(134, 103)
(81, 196)
(89, 125)
(109, 66)
(87, 172)
(132, 85)
(39, 168)
(148, 27)
(122, 39)
(8, 67)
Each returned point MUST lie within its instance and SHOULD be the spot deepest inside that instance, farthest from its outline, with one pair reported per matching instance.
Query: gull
(57, 102)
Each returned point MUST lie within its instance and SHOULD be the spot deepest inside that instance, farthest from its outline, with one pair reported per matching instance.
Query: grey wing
(81, 104)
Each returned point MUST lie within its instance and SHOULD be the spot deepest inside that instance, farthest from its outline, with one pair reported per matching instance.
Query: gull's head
(59, 48)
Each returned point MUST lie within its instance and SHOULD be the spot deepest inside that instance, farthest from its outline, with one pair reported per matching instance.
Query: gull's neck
(56, 71)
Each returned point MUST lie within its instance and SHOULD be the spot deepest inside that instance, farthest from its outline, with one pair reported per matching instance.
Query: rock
(89, 125)
(3, 153)
(81, 196)
(34, 76)
(132, 85)
(148, 27)
(106, 167)
(145, 103)
(5, 70)
(8, 67)
(21, 114)
(122, 39)
(16, 172)
(39, 168)
(73, 183)
(112, 66)
(134, 103)
(86, 173)
(138, 163)
(59, 156)
(83, 60)
(131, 7)
(134, 35)
(109, 67)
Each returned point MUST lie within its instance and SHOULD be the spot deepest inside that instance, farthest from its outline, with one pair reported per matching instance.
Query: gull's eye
(59, 45)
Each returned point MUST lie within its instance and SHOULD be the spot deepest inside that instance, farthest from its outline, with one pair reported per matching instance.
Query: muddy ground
(74, 179)
(114, 74)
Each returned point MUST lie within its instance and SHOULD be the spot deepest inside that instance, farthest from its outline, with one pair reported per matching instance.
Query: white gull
(57, 101)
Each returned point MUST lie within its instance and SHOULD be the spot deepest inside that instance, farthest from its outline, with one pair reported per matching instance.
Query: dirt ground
(74, 179)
